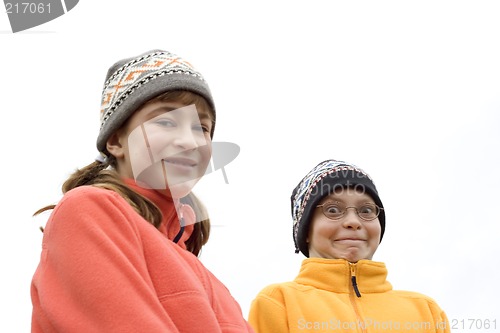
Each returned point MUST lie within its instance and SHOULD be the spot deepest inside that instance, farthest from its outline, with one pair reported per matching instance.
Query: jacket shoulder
(278, 291)
(414, 295)
(88, 208)
(90, 198)
(88, 192)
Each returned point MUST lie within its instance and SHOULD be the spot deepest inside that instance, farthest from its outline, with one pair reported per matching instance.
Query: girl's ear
(114, 145)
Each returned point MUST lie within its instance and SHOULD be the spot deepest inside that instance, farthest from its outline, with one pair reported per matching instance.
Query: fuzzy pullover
(103, 268)
(332, 295)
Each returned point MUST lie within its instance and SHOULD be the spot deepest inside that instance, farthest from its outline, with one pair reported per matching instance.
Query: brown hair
(98, 174)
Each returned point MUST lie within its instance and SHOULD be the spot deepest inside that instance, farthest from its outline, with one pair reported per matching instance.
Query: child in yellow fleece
(339, 221)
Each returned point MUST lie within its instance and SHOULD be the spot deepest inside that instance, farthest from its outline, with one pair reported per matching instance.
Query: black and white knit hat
(321, 181)
(131, 82)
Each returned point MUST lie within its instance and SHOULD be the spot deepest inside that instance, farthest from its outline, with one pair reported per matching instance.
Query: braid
(98, 174)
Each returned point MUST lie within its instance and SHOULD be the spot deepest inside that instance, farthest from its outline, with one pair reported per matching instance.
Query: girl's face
(349, 237)
(165, 146)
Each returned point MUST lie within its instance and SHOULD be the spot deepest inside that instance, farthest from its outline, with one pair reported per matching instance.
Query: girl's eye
(202, 128)
(165, 122)
(198, 128)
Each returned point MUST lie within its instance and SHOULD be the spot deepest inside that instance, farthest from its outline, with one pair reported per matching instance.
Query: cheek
(206, 148)
(205, 153)
(138, 151)
(374, 231)
(158, 142)
(322, 230)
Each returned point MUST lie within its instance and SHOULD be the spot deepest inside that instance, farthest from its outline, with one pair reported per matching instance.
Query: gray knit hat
(321, 181)
(133, 81)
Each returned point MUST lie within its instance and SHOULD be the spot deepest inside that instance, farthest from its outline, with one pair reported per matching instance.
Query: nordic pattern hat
(322, 180)
(133, 81)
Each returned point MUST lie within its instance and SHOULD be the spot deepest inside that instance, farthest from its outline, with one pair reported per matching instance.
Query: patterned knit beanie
(321, 181)
(133, 81)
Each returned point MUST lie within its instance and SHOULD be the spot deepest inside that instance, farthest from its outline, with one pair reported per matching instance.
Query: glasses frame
(344, 211)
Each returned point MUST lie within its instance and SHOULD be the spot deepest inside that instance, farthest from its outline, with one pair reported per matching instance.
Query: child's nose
(188, 138)
(351, 219)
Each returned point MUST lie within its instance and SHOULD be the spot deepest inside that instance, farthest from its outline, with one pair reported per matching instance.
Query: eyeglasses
(336, 210)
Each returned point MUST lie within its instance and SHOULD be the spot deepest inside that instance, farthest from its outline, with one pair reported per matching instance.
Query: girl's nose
(188, 138)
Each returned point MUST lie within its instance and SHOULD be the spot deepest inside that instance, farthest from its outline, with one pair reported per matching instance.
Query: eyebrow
(159, 111)
(202, 115)
(359, 201)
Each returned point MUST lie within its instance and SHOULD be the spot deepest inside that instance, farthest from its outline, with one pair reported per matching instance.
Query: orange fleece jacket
(103, 268)
(322, 298)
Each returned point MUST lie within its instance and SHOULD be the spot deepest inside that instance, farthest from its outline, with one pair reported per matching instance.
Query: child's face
(167, 146)
(350, 237)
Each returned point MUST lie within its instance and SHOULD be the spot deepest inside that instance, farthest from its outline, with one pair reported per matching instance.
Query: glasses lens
(368, 212)
(333, 210)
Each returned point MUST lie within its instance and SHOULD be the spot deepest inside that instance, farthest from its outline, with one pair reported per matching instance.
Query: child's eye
(207, 127)
(333, 209)
(165, 122)
(202, 128)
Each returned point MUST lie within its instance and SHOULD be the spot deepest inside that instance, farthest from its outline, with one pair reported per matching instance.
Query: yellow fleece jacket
(332, 295)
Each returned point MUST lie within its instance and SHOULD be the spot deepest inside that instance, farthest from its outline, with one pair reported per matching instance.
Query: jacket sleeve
(440, 319)
(92, 275)
(445, 323)
(268, 313)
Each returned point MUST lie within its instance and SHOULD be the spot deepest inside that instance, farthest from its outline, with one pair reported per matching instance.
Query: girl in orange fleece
(339, 221)
(119, 252)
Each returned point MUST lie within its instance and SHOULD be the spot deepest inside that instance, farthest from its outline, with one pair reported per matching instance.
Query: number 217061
(27, 8)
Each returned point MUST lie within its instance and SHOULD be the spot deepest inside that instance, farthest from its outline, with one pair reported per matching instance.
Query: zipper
(353, 279)
(182, 224)
(353, 299)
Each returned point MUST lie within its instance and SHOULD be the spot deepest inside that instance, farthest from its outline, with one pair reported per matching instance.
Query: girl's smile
(166, 146)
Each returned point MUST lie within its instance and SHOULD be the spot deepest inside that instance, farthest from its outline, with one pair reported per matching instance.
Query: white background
(408, 91)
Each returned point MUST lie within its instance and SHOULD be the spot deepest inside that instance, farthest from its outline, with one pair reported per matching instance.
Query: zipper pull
(182, 224)
(353, 280)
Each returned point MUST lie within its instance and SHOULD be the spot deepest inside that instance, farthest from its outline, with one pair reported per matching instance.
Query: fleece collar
(335, 275)
(171, 209)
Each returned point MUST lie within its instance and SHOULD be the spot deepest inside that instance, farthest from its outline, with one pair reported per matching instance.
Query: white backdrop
(409, 91)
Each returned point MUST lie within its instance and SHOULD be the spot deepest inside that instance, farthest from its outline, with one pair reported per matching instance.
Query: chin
(352, 257)
(355, 259)
(180, 190)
